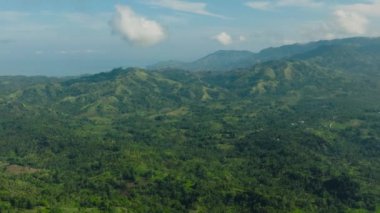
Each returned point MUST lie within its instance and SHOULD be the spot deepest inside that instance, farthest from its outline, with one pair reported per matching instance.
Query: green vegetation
(290, 135)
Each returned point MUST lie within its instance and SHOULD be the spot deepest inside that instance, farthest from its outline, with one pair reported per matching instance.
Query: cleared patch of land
(18, 170)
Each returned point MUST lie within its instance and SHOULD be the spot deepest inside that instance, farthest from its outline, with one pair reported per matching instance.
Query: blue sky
(72, 37)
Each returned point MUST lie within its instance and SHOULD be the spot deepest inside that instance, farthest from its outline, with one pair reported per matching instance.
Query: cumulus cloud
(351, 22)
(266, 5)
(226, 39)
(371, 9)
(136, 28)
(223, 38)
(199, 8)
(318, 30)
(346, 20)
(356, 18)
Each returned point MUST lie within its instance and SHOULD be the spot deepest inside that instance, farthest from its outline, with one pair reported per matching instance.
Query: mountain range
(288, 129)
(225, 60)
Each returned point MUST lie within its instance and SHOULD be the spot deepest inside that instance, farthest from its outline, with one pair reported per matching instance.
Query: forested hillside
(300, 133)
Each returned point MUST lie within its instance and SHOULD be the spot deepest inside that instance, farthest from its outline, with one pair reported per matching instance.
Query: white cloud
(318, 30)
(346, 20)
(223, 38)
(371, 9)
(266, 5)
(355, 19)
(135, 28)
(199, 8)
(351, 22)
(226, 39)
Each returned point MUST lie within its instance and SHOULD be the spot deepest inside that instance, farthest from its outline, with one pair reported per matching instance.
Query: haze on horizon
(73, 37)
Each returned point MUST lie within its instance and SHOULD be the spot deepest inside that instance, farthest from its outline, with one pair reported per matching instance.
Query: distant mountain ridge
(224, 60)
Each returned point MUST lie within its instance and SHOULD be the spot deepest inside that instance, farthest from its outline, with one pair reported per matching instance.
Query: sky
(75, 37)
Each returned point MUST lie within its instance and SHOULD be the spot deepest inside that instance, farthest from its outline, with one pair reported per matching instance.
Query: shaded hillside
(356, 58)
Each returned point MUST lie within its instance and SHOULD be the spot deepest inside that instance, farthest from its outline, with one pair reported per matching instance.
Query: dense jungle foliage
(297, 134)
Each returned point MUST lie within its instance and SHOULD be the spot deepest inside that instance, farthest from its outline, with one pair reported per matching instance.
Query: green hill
(297, 134)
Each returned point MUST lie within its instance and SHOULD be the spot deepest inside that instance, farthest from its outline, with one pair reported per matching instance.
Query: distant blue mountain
(224, 60)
